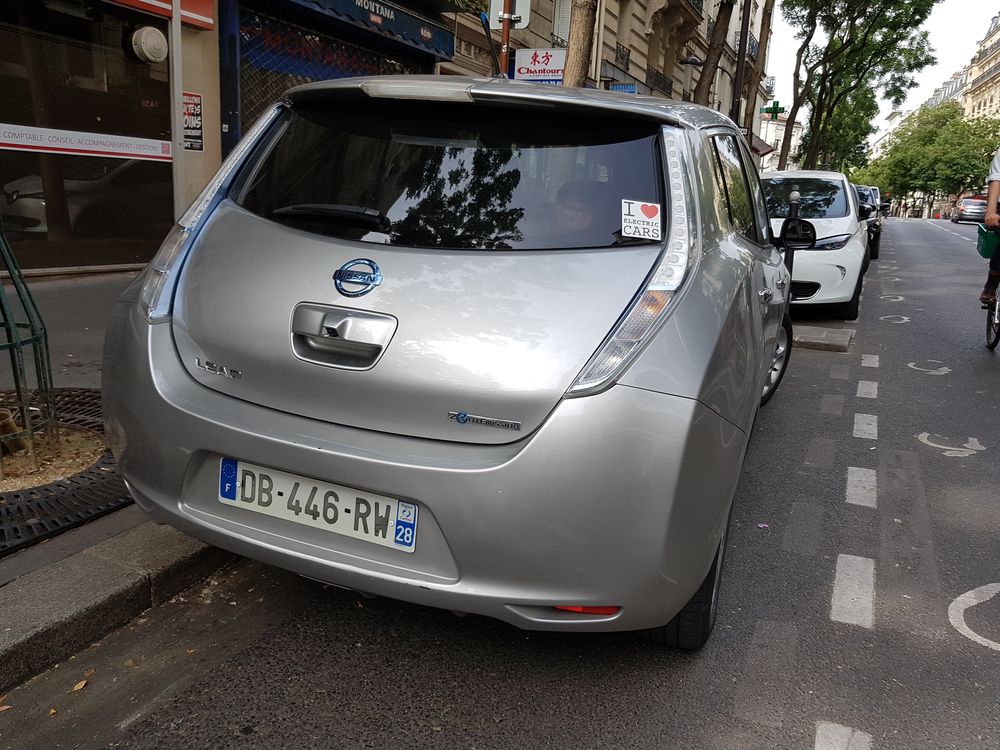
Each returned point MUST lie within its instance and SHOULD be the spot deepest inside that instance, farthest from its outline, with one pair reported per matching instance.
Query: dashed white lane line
(867, 389)
(837, 737)
(862, 486)
(869, 360)
(854, 591)
(930, 222)
(866, 426)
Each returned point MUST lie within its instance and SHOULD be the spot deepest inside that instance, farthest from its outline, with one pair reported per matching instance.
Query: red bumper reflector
(587, 610)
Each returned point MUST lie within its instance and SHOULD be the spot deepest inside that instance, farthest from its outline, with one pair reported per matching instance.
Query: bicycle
(987, 244)
(992, 325)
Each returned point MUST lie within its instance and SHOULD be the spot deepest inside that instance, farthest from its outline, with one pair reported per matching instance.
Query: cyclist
(989, 294)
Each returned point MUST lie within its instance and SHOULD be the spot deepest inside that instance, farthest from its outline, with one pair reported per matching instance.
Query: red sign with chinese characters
(198, 13)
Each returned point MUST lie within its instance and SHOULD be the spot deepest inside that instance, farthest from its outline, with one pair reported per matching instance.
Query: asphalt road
(869, 507)
(75, 313)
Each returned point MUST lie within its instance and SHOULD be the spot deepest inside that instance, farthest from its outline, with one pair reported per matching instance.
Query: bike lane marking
(956, 613)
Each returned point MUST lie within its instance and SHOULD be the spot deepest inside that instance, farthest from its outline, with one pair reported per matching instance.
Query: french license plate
(332, 507)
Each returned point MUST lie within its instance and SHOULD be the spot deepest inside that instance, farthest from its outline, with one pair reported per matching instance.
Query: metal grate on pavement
(28, 516)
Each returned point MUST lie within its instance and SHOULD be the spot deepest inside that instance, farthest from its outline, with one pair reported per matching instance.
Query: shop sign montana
(376, 9)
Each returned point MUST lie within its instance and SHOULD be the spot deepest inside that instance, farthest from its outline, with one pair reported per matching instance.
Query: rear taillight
(161, 274)
(650, 307)
(587, 610)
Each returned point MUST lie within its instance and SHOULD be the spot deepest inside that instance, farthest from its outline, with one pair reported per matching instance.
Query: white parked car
(831, 273)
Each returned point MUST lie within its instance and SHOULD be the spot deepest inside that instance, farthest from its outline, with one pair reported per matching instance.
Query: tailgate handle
(340, 336)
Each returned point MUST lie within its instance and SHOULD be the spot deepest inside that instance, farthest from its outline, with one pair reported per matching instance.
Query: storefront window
(276, 55)
(84, 135)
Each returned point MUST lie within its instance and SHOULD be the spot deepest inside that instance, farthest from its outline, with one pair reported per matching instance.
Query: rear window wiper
(335, 212)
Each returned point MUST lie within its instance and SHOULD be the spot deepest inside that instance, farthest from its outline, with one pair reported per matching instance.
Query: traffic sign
(521, 12)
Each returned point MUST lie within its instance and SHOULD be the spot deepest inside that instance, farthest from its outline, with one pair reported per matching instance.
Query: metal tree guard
(33, 410)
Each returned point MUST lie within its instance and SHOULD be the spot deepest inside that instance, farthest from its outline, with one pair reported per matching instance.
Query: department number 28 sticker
(641, 220)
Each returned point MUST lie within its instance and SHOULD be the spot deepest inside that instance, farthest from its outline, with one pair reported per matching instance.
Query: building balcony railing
(623, 56)
(989, 74)
(753, 46)
(558, 41)
(658, 80)
(984, 53)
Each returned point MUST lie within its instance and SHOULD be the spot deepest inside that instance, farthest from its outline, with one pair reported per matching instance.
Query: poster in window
(193, 126)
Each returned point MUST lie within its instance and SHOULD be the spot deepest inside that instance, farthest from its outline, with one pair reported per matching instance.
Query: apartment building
(652, 47)
(982, 94)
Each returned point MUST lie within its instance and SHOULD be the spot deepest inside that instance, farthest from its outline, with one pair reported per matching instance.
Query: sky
(955, 28)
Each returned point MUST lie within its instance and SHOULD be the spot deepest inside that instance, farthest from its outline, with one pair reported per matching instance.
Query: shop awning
(759, 146)
(390, 22)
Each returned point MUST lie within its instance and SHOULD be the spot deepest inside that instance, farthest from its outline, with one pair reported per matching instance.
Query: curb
(824, 339)
(56, 611)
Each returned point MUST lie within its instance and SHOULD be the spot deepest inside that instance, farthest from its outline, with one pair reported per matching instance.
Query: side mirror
(865, 211)
(797, 234)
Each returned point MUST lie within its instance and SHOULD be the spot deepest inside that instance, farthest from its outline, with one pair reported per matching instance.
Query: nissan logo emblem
(355, 282)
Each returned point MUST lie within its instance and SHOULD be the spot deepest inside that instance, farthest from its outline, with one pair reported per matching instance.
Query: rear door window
(460, 176)
(741, 210)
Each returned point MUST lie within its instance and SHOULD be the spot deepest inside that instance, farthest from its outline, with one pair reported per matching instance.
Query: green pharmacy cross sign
(774, 110)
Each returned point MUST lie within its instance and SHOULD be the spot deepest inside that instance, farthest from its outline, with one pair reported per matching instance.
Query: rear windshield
(456, 176)
(819, 198)
(971, 202)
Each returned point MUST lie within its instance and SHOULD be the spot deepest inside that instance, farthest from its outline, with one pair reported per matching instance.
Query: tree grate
(30, 515)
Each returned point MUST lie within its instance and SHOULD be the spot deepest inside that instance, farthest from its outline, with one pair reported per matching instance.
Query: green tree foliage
(843, 145)
(935, 150)
(848, 45)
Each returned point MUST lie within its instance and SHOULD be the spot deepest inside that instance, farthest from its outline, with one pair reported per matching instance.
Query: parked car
(832, 272)
(868, 196)
(105, 197)
(969, 209)
(408, 345)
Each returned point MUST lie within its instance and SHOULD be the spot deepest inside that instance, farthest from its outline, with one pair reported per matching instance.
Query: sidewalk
(63, 594)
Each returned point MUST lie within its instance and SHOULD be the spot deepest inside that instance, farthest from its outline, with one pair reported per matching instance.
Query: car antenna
(489, 42)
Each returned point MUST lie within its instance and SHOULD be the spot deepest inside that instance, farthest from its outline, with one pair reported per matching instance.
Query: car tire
(779, 360)
(692, 626)
(849, 310)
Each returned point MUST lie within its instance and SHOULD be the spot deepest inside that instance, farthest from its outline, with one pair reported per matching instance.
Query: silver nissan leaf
(479, 345)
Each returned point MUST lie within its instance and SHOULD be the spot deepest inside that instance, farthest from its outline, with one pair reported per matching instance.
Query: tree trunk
(581, 40)
(703, 90)
(758, 66)
(786, 141)
(798, 93)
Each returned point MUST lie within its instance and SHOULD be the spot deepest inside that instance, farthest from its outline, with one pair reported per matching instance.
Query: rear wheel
(779, 362)
(992, 327)
(691, 627)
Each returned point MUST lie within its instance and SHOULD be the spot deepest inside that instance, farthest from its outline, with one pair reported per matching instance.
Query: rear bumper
(836, 272)
(618, 499)
(967, 216)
